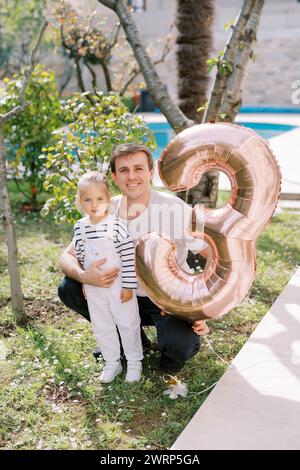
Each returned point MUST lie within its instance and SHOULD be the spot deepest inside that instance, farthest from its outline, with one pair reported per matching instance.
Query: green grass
(50, 394)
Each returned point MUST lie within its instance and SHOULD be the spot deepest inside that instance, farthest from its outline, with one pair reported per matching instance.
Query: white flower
(176, 390)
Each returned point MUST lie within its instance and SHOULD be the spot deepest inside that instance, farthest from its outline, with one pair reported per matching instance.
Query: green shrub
(27, 133)
(97, 124)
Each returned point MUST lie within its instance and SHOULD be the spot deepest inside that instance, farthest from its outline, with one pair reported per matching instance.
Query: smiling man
(144, 210)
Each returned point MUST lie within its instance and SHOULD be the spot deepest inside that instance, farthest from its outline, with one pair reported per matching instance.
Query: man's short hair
(127, 149)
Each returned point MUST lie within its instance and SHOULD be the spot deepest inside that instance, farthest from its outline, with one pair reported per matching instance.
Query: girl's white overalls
(104, 304)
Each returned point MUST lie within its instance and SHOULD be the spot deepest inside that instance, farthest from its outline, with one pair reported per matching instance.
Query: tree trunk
(156, 88)
(79, 75)
(194, 23)
(106, 73)
(233, 96)
(226, 96)
(12, 249)
(208, 186)
(225, 67)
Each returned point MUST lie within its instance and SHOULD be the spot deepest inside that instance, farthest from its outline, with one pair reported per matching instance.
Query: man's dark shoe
(170, 366)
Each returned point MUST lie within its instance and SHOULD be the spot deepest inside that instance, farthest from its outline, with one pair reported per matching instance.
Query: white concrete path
(256, 404)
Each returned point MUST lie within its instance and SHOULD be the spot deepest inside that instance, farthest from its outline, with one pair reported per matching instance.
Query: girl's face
(94, 201)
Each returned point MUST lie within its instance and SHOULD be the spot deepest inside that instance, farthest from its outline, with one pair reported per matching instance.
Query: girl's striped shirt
(122, 241)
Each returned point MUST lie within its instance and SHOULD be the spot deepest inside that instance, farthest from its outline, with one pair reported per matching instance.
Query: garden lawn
(50, 394)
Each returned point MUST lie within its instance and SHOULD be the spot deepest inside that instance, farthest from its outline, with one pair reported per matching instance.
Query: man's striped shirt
(122, 241)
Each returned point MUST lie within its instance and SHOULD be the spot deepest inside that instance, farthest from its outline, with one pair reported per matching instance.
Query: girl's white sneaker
(134, 371)
(110, 371)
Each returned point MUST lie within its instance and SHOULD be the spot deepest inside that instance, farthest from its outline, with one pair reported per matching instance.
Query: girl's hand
(126, 295)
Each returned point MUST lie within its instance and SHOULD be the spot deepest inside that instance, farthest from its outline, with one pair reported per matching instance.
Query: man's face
(133, 175)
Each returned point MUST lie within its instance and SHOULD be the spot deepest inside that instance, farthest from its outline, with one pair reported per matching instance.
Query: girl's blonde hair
(92, 177)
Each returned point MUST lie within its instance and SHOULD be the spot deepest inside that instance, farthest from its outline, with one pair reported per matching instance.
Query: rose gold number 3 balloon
(230, 231)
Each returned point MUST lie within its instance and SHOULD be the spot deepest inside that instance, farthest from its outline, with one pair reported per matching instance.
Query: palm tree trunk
(194, 23)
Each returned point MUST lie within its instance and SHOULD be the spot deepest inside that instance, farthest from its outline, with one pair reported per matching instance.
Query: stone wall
(269, 78)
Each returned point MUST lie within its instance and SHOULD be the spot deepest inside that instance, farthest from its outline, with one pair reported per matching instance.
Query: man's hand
(200, 327)
(126, 295)
(95, 277)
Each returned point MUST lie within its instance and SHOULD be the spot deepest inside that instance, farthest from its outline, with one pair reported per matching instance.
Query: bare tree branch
(19, 188)
(114, 42)
(79, 75)
(66, 81)
(110, 3)
(135, 72)
(27, 74)
(155, 86)
(93, 74)
(106, 72)
(219, 88)
(17, 297)
(233, 97)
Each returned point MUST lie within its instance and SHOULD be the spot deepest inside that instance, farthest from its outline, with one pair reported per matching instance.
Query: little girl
(101, 235)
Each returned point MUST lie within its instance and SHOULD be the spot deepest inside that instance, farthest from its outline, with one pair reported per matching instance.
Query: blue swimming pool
(163, 132)
(268, 130)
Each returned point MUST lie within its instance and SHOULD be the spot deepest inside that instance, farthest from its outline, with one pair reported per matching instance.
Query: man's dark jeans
(176, 340)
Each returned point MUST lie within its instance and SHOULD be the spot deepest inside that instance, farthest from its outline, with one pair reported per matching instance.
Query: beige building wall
(269, 78)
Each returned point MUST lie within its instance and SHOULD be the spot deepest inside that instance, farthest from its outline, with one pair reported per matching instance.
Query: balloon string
(220, 357)
(231, 366)
(205, 390)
